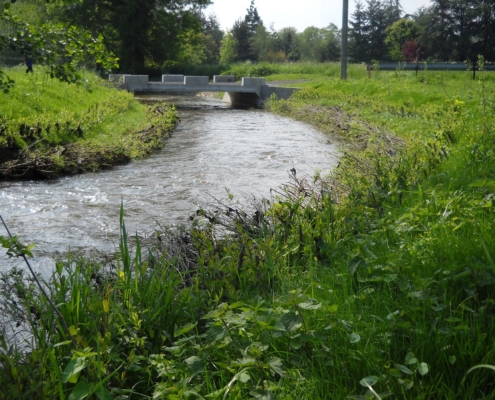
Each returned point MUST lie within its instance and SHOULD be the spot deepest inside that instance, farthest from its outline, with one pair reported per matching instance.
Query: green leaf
(452, 359)
(72, 370)
(185, 329)
(103, 394)
(310, 305)
(404, 369)
(423, 368)
(395, 373)
(244, 377)
(81, 390)
(277, 366)
(369, 381)
(236, 305)
(410, 359)
(354, 337)
(291, 321)
(492, 367)
(195, 365)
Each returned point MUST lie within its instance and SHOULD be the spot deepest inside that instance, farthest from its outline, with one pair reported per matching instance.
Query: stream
(214, 151)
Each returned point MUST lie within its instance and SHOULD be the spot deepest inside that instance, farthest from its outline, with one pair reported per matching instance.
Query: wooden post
(345, 28)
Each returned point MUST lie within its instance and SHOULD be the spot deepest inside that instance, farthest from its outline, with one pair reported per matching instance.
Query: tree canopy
(61, 47)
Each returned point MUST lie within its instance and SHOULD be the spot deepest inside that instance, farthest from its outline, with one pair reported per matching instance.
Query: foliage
(369, 30)
(320, 45)
(398, 34)
(457, 30)
(142, 34)
(62, 48)
(228, 50)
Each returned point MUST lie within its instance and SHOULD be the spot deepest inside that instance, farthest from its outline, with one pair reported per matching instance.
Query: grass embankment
(49, 129)
(377, 282)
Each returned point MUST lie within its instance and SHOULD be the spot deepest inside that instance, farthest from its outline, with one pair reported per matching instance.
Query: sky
(293, 13)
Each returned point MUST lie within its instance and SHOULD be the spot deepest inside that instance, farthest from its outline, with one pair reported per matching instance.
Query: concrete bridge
(249, 92)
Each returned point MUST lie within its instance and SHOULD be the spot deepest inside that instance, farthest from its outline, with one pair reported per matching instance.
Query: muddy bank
(39, 161)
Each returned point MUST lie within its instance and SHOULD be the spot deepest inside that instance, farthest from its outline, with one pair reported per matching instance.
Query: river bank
(49, 129)
(377, 281)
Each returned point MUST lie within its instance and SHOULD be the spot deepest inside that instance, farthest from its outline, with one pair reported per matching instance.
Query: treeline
(250, 40)
(167, 34)
(448, 30)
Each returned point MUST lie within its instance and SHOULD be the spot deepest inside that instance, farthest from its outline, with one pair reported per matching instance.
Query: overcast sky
(295, 13)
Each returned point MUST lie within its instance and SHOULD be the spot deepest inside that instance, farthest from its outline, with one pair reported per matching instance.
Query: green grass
(375, 282)
(40, 114)
(37, 98)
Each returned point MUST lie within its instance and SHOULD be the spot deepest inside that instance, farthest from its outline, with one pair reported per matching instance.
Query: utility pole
(345, 28)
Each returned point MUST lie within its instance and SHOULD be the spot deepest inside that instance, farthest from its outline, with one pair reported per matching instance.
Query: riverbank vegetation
(375, 282)
(49, 129)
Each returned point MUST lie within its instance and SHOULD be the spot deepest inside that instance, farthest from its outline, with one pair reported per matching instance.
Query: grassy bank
(49, 129)
(375, 282)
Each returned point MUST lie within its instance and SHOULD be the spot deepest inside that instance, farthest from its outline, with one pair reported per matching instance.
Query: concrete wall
(196, 81)
(223, 78)
(117, 79)
(173, 78)
(280, 92)
(136, 82)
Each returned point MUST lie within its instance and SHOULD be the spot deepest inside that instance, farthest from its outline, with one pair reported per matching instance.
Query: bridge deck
(234, 87)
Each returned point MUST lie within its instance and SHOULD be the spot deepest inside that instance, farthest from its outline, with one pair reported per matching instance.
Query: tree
(358, 46)
(142, 33)
(63, 48)
(212, 41)
(288, 43)
(368, 31)
(400, 32)
(252, 18)
(242, 36)
(228, 49)
(410, 51)
(320, 44)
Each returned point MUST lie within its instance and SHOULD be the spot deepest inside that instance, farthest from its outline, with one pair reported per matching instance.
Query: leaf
(423, 368)
(369, 381)
(195, 364)
(452, 359)
(310, 305)
(410, 359)
(103, 394)
(218, 312)
(354, 337)
(403, 369)
(81, 390)
(395, 373)
(185, 329)
(492, 367)
(106, 306)
(244, 377)
(277, 366)
(73, 330)
(72, 369)
(354, 264)
(291, 321)
(236, 305)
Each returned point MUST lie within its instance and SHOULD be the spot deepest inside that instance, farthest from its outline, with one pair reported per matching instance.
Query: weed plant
(375, 282)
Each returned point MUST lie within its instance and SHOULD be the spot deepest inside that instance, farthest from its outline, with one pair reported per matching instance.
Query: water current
(214, 149)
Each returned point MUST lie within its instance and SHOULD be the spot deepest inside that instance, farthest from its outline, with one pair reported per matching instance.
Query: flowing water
(213, 149)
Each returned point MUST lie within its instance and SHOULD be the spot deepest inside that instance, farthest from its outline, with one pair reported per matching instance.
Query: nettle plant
(244, 350)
